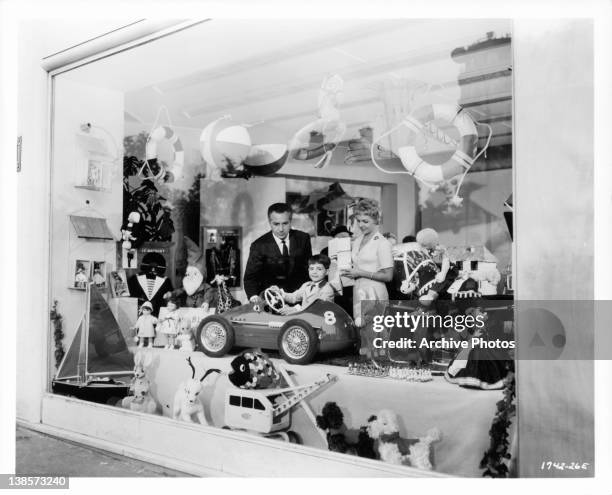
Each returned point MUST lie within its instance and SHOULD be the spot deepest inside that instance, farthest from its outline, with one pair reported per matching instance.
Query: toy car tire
(294, 437)
(297, 342)
(215, 336)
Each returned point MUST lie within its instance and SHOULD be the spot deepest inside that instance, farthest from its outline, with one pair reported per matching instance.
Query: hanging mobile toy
(320, 138)
(421, 123)
(157, 135)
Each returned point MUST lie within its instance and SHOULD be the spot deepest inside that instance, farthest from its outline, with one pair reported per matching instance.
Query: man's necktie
(285, 250)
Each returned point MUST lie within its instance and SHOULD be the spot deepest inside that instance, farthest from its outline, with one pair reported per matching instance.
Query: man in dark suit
(279, 257)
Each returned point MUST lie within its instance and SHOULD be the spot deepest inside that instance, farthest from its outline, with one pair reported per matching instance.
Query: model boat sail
(98, 362)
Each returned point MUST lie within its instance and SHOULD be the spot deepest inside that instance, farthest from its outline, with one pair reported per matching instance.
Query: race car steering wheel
(274, 299)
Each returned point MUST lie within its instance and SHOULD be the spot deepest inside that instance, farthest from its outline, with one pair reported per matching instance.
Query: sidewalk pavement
(39, 454)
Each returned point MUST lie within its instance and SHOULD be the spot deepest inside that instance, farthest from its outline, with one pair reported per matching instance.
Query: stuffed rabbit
(142, 360)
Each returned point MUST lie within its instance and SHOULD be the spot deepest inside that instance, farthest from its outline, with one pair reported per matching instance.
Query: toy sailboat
(98, 365)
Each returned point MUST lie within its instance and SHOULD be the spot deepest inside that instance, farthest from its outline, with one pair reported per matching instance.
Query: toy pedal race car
(321, 327)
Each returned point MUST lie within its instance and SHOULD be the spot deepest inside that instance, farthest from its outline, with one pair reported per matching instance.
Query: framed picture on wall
(222, 248)
(99, 274)
(118, 284)
(82, 273)
(94, 163)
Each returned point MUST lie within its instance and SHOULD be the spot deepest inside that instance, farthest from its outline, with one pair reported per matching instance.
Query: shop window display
(422, 134)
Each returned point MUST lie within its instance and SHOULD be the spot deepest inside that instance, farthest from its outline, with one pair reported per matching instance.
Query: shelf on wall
(102, 289)
(92, 188)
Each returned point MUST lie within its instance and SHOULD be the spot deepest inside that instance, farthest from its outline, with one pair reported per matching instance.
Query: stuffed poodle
(394, 449)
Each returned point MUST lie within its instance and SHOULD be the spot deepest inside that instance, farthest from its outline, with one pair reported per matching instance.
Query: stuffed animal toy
(141, 401)
(365, 444)
(186, 400)
(331, 420)
(142, 360)
(130, 231)
(417, 453)
(185, 338)
(253, 369)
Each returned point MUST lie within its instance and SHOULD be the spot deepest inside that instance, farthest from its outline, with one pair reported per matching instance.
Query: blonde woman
(372, 261)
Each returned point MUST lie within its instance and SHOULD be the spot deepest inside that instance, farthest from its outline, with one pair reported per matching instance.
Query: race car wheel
(297, 342)
(215, 336)
(294, 437)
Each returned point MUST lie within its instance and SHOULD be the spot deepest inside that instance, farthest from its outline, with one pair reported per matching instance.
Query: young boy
(309, 292)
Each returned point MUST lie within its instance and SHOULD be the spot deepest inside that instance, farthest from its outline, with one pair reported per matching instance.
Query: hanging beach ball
(266, 159)
(225, 145)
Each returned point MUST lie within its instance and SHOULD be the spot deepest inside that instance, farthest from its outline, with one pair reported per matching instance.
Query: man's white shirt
(279, 243)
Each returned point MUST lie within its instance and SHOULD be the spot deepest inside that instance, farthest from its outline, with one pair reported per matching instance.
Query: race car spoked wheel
(215, 336)
(297, 342)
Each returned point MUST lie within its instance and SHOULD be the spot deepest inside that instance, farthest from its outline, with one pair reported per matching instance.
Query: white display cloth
(463, 416)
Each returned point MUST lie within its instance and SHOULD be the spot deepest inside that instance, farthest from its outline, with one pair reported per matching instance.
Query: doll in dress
(185, 339)
(169, 324)
(478, 366)
(145, 326)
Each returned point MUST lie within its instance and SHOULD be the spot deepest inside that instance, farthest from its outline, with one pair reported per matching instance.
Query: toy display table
(463, 416)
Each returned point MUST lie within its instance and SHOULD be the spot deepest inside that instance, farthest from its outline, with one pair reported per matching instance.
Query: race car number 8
(330, 317)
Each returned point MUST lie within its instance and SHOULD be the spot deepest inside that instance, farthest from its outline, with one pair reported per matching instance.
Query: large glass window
(167, 156)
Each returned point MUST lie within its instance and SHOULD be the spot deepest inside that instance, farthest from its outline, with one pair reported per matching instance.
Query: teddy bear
(417, 453)
(331, 420)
